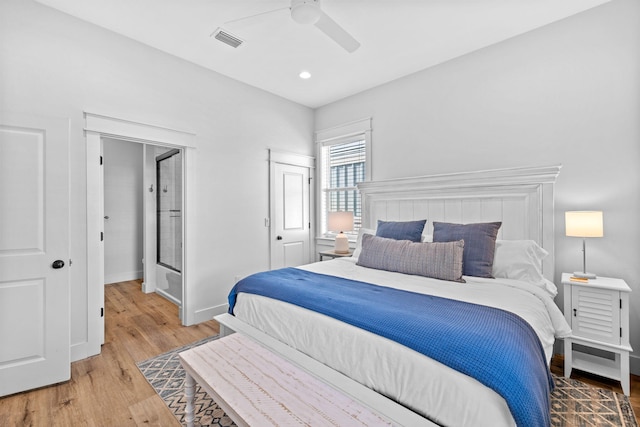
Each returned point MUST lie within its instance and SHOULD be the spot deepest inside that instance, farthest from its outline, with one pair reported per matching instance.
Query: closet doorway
(143, 229)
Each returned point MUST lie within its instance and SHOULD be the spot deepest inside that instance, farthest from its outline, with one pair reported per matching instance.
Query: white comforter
(425, 385)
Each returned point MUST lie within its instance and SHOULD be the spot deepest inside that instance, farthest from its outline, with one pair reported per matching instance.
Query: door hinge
(70, 262)
(101, 236)
(620, 303)
(101, 160)
(101, 311)
(620, 332)
(309, 181)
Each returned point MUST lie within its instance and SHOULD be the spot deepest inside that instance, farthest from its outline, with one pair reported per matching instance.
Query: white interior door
(291, 223)
(34, 253)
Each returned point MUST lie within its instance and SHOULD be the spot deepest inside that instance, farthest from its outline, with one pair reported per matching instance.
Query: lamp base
(342, 244)
(584, 275)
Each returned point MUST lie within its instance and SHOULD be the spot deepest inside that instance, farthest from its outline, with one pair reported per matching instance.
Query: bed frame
(522, 198)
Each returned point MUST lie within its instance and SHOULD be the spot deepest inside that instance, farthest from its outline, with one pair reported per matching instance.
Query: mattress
(426, 386)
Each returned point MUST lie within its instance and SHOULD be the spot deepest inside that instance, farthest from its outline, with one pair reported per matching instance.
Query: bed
(411, 377)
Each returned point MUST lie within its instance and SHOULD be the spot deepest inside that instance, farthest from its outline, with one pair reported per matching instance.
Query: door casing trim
(98, 126)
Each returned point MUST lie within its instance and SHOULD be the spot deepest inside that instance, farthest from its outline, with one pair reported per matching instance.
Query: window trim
(348, 132)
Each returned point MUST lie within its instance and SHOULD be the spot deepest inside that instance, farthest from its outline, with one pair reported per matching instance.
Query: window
(343, 164)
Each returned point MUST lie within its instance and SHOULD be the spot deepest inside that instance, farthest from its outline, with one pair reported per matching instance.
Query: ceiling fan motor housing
(305, 11)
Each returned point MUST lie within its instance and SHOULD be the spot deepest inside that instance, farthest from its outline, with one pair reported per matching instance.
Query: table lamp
(584, 224)
(340, 221)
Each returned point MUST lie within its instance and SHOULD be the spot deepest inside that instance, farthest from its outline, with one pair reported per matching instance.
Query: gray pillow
(436, 260)
(479, 244)
(401, 230)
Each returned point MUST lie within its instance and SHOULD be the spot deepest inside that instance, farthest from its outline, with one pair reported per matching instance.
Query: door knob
(58, 264)
(279, 238)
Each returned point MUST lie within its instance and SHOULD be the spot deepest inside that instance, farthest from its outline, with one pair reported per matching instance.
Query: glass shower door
(169, 210)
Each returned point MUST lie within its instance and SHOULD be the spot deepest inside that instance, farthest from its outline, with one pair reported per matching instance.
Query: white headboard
(522, 198)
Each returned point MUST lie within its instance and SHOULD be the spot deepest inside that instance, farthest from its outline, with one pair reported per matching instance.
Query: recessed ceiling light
(305, 75)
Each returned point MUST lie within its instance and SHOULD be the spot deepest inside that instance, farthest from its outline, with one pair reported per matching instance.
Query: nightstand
(598, 312)
(332, 254)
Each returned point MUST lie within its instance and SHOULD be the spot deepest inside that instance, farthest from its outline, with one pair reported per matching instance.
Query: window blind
(343, 167)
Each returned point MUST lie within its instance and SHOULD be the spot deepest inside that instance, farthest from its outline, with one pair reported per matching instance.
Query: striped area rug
(573, 403)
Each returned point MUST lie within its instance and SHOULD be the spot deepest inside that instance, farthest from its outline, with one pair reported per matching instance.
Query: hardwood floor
(109, 390)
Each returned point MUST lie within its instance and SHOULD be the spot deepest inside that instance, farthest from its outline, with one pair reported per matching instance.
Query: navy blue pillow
(479, 244)
(401, 230)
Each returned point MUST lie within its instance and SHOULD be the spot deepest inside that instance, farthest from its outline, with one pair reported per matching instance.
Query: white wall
(567, 93)
(123, 251)
(55, 65)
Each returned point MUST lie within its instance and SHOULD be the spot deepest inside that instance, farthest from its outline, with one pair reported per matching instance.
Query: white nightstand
(333, 254)
(598, 313)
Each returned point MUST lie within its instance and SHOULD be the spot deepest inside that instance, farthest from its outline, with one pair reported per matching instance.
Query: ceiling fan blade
(332, 29)
(255, 15)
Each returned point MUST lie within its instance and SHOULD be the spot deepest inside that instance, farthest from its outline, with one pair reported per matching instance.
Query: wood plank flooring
(109, 390)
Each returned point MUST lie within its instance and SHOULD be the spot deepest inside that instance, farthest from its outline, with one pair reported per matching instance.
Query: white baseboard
(81, 351)
(78, 351)
(123, 277)
(634, 364)
(147, 287)
(208, 313)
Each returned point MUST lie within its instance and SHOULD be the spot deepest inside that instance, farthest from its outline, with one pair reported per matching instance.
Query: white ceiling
(398, 37)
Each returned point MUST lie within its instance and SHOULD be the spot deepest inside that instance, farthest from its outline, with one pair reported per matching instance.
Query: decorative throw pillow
(401, 230)
(436, 260)
(479, 244)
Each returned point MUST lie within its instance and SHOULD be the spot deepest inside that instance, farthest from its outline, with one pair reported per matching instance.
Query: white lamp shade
(584, 224)
(340, 221)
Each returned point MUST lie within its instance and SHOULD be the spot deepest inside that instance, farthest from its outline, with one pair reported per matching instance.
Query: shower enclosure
(169, 224)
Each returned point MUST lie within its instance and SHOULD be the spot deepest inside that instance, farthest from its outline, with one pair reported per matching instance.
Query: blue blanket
(496, 347)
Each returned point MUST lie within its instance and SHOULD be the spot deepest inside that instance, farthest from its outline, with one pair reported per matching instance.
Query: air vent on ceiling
(227, 38)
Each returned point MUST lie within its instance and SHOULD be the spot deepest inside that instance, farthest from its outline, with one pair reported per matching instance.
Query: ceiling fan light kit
(305, 12)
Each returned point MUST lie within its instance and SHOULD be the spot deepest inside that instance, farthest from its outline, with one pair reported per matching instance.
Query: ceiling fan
(305, 12)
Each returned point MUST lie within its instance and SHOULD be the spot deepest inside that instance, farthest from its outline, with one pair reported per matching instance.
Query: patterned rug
(573, 403)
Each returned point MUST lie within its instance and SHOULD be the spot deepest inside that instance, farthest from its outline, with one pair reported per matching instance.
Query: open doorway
(123, 210)
(143, 197)
(98, 127)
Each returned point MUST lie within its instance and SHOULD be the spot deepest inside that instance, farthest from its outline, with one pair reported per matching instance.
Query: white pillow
(521, 260)
(358, 249)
